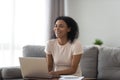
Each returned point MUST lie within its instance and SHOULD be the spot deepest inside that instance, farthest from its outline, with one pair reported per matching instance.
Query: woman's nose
(57, 28)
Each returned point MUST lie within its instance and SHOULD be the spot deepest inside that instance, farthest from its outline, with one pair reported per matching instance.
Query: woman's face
(61, 29)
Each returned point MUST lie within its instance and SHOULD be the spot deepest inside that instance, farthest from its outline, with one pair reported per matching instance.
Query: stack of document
(70, 77)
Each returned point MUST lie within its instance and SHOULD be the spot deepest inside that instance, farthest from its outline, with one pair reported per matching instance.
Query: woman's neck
(62, 41)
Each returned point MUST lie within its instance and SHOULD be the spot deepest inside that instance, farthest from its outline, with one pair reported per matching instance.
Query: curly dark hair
(72, 24)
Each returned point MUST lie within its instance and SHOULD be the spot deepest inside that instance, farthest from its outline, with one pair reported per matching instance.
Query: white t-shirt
(62, 54)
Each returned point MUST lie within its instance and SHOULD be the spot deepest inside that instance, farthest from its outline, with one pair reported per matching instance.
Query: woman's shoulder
(52, 41)
(76, 43)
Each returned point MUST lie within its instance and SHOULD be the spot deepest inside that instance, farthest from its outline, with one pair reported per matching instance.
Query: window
(22, 22)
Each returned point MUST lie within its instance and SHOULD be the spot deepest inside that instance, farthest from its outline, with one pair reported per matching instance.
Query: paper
(70, 77)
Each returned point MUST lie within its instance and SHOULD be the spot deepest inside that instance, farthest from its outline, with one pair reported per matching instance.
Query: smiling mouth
(58, 32)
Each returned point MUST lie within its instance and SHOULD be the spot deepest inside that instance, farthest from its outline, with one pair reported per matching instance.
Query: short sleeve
(77, 48)
(48, 48)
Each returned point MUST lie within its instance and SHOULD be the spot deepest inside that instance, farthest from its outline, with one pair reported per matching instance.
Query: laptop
(32, 67)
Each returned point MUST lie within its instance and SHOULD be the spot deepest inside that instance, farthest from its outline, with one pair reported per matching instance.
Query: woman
(63, 53)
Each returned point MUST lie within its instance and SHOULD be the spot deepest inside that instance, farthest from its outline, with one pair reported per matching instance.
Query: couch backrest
(109, 63)
(33, 51)
(89, 62)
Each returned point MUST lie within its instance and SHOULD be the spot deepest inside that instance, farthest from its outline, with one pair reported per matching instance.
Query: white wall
(96, 19)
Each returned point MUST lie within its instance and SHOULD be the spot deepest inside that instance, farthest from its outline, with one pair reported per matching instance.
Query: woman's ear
(69, 29)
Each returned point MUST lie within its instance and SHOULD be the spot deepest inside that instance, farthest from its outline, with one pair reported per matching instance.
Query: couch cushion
(33, 51)
(109, 63)
(88, 62)
(11, 73)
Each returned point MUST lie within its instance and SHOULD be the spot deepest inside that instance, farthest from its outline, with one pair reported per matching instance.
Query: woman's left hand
(54, 74)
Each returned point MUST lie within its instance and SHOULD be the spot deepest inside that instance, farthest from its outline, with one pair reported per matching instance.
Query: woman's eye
(61, 26)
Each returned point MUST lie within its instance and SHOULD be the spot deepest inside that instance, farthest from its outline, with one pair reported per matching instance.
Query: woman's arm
(50, 62)
(72, 69)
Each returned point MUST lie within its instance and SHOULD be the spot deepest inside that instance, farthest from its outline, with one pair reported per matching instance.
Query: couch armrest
(11, 72)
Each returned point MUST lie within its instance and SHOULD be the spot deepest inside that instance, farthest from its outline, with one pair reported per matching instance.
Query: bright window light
(22, 22)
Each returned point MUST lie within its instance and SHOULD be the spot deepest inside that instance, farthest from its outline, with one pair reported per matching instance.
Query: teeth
(58, 32)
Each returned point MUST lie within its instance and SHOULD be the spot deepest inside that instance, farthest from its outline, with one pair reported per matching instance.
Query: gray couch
(102, 63)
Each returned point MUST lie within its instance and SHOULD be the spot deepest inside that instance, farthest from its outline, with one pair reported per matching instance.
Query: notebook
(32, 67)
